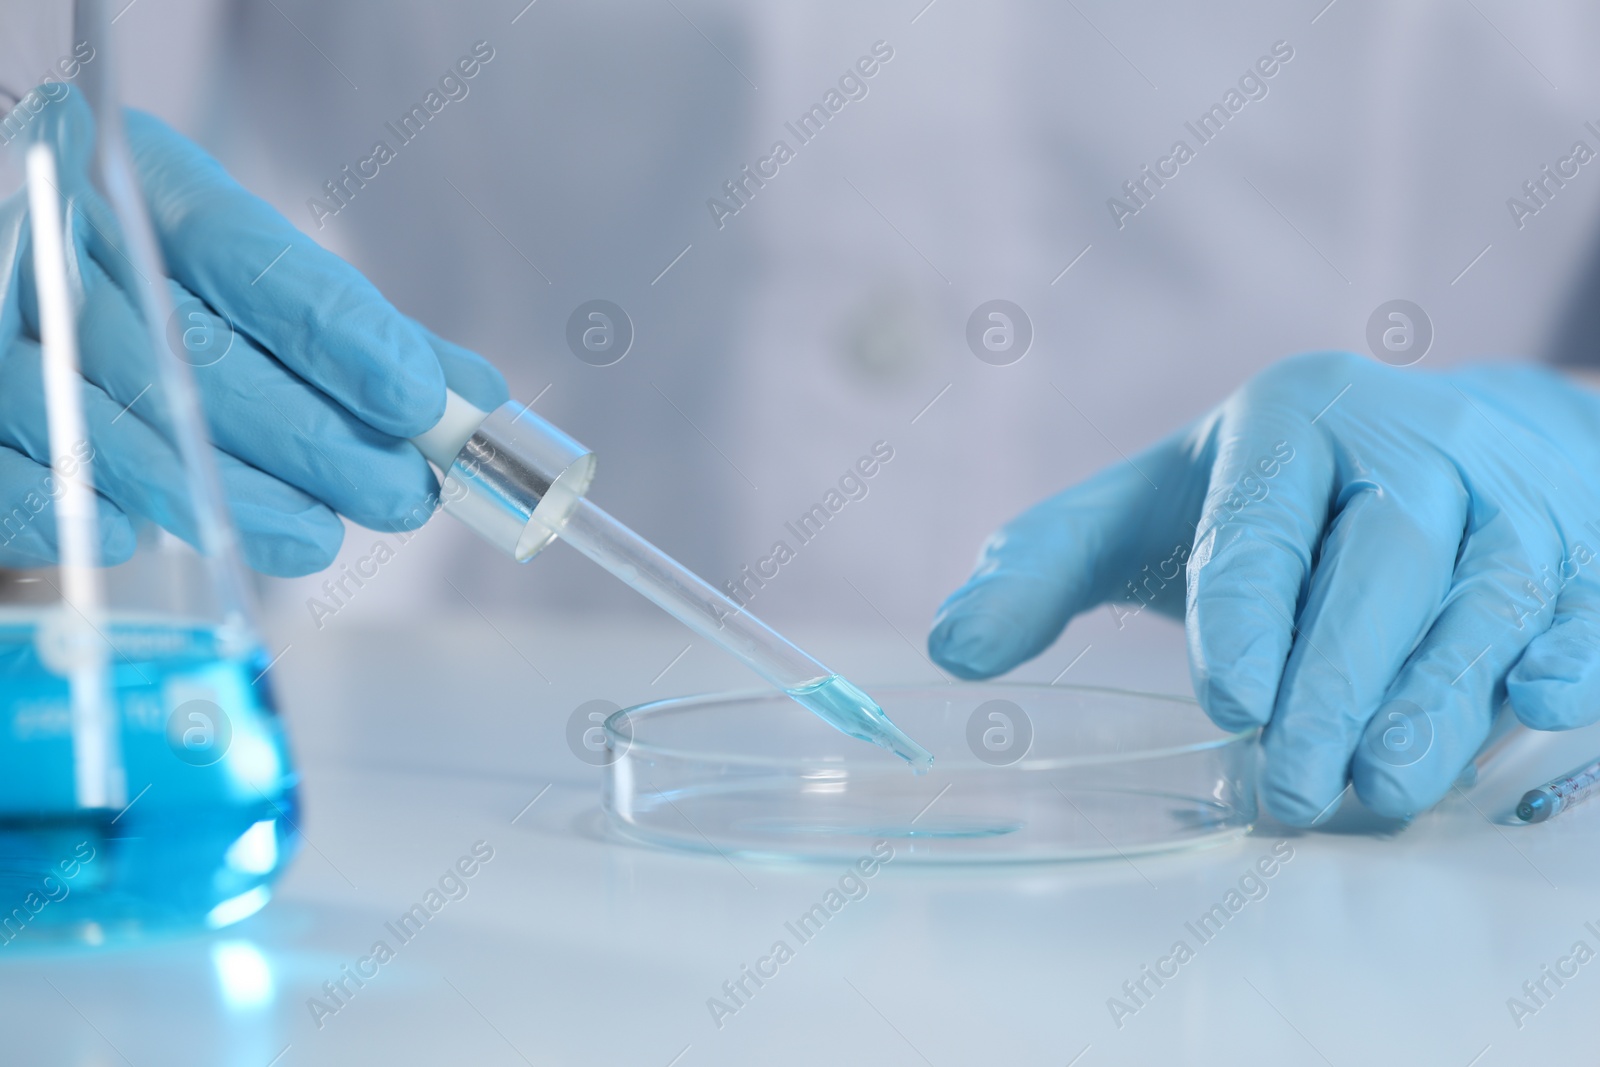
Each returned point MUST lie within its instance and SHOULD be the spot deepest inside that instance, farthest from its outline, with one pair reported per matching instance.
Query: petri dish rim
(698, 702)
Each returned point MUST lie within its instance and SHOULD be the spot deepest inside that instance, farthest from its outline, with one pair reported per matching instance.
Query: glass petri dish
(1022, 773)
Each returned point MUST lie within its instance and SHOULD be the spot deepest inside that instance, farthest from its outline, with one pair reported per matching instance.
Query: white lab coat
(828, 312)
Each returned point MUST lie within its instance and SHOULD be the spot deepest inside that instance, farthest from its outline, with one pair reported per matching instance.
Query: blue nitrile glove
(1374, 558)
(310, 407)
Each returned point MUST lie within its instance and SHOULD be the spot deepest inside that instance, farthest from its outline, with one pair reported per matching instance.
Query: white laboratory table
(1373, 944)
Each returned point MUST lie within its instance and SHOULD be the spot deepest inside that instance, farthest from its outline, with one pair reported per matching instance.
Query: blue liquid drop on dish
(203, 833)
(842, 705)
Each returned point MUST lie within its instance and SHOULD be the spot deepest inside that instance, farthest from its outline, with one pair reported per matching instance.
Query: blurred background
(775, 346)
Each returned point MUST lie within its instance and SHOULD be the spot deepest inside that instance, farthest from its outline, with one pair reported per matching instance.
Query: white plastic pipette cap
(508, 474)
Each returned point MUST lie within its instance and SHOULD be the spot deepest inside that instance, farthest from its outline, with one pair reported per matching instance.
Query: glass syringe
(519, 483)
(1552, 798)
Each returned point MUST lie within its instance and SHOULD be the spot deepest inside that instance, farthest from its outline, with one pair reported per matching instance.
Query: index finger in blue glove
(309, 308)
(1067, 554)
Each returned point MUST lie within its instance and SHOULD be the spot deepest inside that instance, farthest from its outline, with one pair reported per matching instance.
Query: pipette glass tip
(841, 704)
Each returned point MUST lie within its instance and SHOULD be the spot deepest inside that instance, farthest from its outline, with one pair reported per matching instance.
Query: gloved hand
(309, 409)
(1375, 558)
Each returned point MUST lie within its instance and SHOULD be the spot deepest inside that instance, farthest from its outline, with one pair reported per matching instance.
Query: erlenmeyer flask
(145, 782)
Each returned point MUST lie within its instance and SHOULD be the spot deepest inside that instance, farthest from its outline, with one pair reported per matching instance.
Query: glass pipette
(718, 619)
(520, 483)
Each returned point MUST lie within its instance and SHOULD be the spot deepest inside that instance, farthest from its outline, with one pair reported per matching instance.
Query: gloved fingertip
(410, 398)
(1226, 713)
(1550, 690)
(1399, 792)
(294, 547)
(1549, 703)
(398, 490)
(976, 644)
(1292, 809)
(1237, 652)
(1294, 801)
(470, 376)
(403, 511)
(1236, 695)
(117, 539)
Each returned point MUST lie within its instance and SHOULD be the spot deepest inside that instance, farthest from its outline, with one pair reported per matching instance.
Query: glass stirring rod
(519, 482)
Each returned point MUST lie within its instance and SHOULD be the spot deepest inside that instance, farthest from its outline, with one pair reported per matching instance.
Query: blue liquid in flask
(211, 801)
